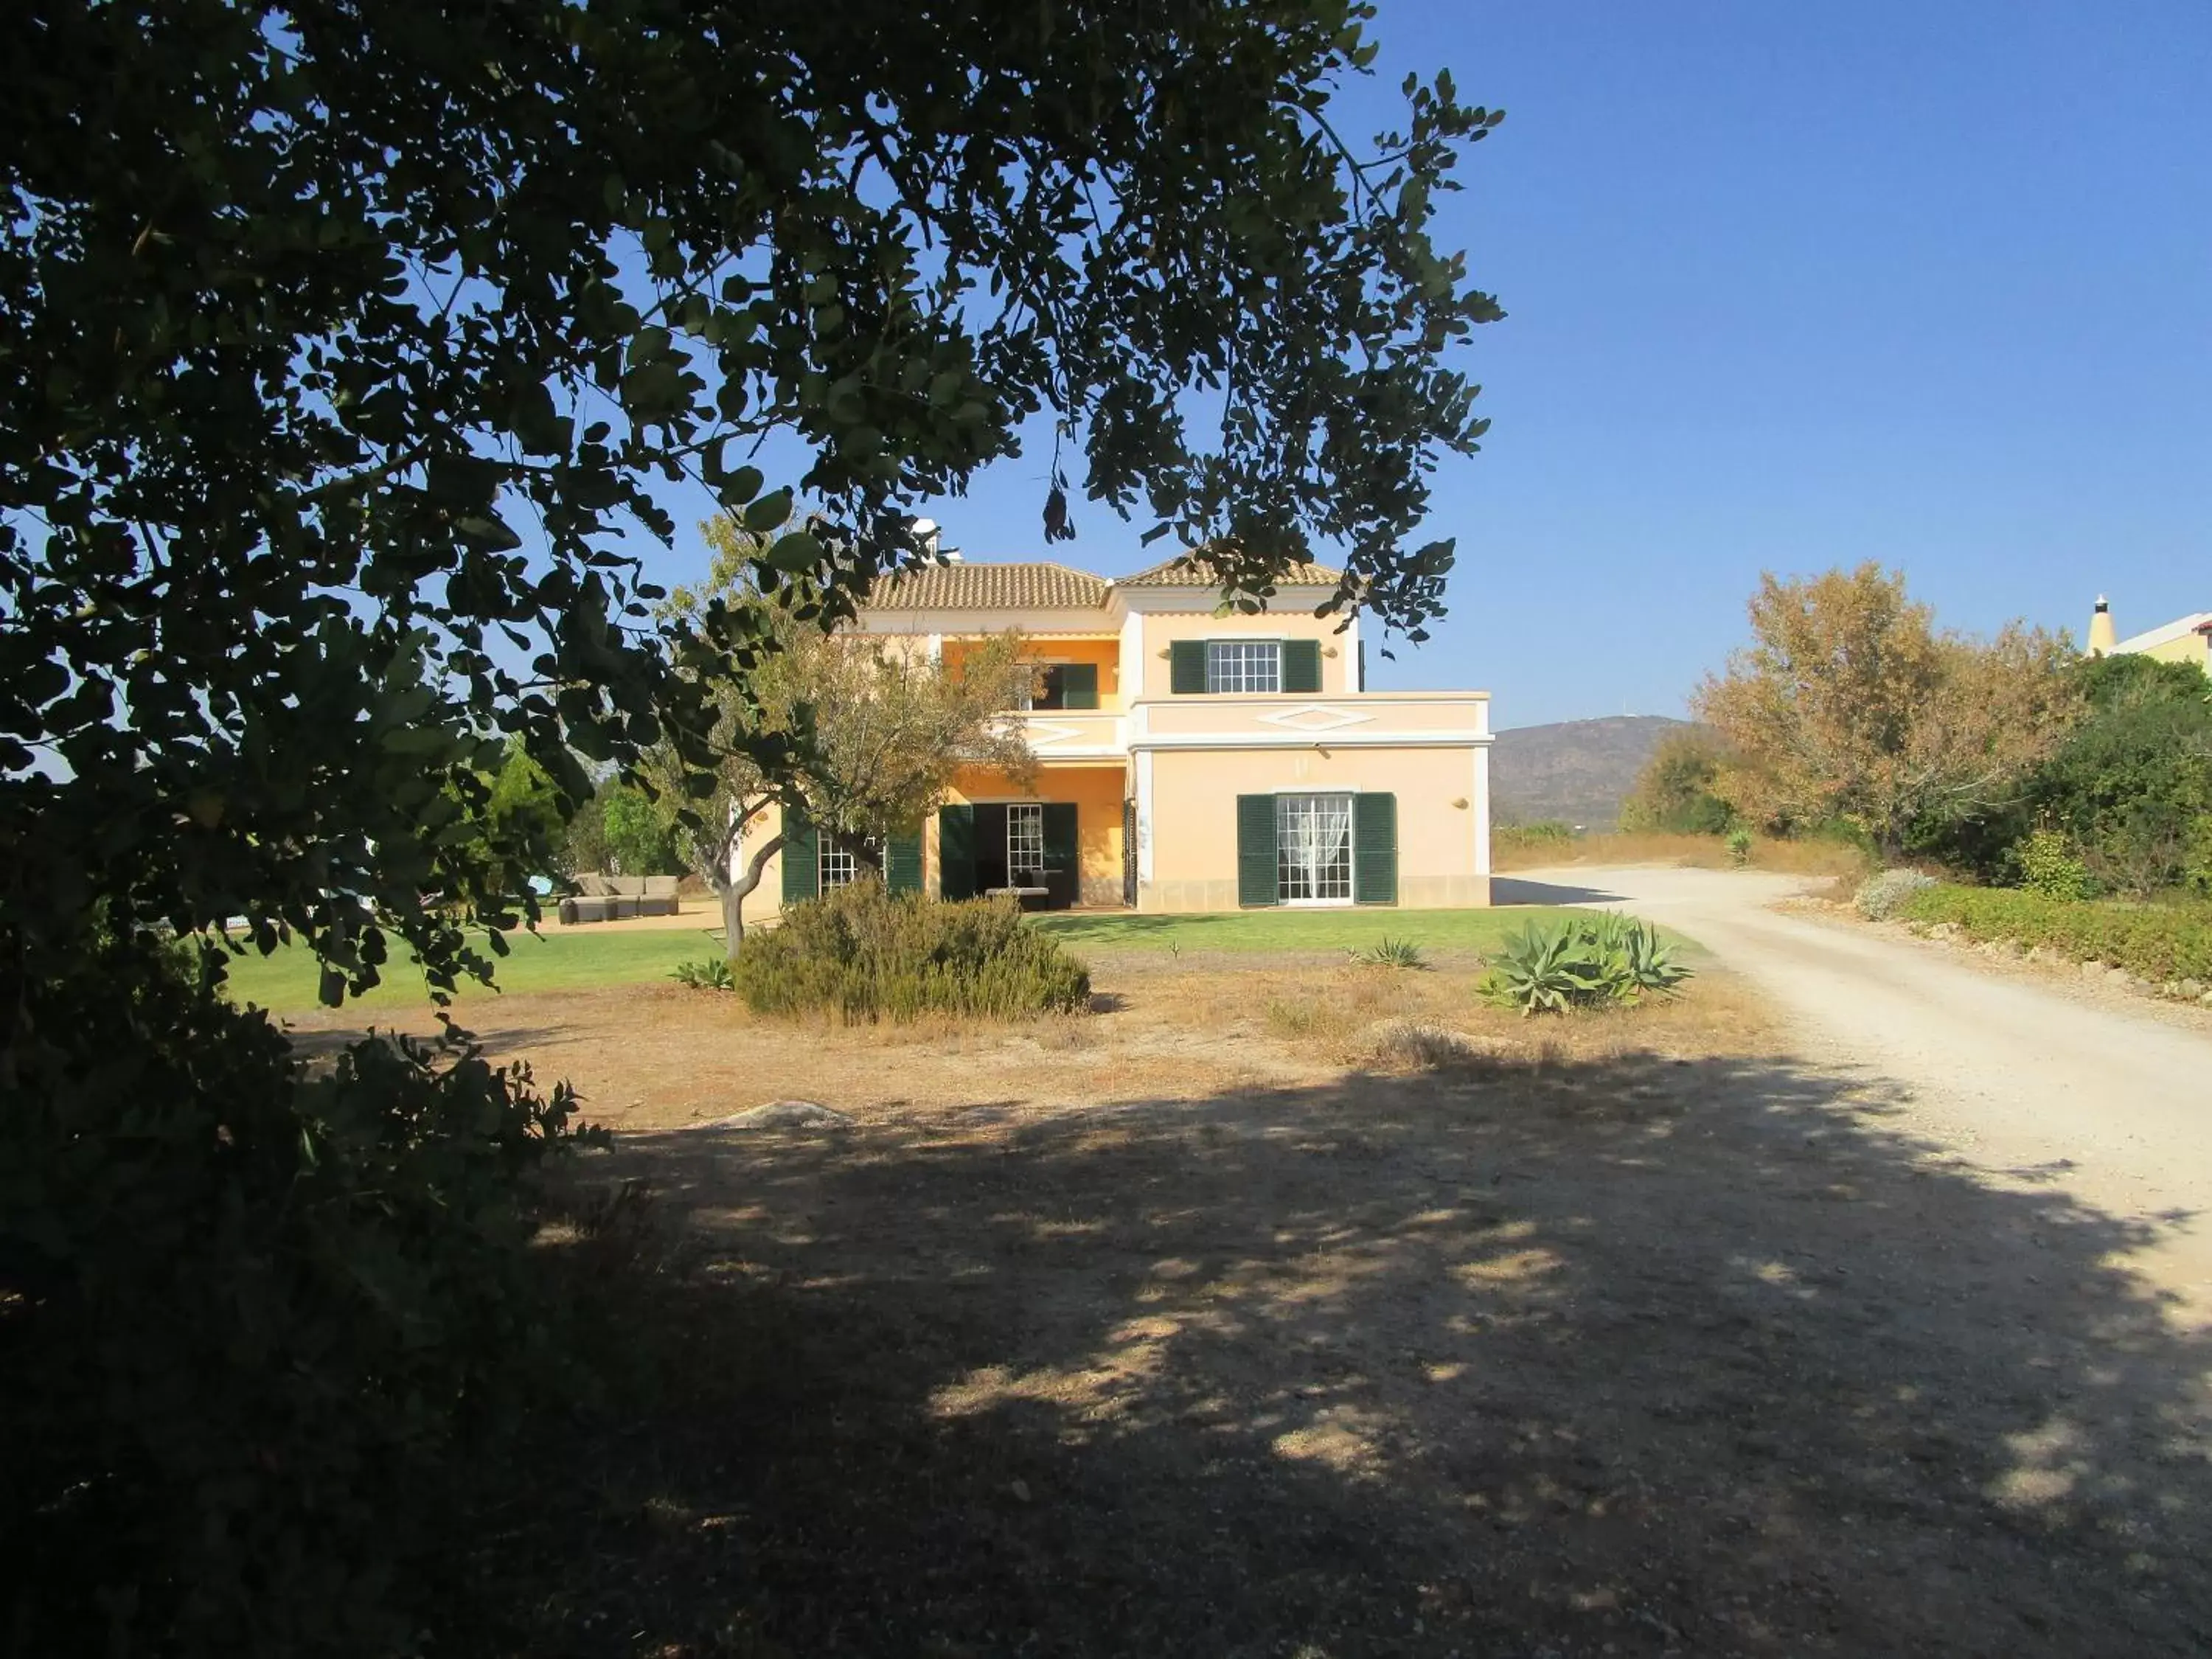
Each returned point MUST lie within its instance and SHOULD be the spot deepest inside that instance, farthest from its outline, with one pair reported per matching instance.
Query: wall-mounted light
(1460, 801)
(1328, 651)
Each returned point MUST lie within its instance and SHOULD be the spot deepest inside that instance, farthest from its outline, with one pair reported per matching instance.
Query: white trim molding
(1144, 766)
(1308, 740)
(1481, 804)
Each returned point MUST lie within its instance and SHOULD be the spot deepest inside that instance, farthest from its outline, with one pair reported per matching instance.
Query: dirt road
(2031, 1081)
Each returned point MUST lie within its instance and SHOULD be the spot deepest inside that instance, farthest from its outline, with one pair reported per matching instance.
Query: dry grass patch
(1808, 858)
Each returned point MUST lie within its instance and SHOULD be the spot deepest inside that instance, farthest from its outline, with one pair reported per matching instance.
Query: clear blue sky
(1791, 286)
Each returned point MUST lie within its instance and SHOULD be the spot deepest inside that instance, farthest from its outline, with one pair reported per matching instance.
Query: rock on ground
(784, 1114)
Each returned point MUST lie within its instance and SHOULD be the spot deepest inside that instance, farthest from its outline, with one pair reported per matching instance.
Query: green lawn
(285, 981)
(579, 959)
(1295, 930)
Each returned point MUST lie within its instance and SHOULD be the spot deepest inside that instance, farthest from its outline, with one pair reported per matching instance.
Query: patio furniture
(614, 898)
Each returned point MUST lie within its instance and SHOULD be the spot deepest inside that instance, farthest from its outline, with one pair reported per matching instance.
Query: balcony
(1072, 733)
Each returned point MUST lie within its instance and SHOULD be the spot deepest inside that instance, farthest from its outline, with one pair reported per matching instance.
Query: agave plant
(711, 975)
(1544, 971)
(1582, 962)
(1651, 962)
(1390, 953)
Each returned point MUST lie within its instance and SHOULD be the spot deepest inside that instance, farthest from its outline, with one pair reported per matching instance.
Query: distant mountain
(1578, 770)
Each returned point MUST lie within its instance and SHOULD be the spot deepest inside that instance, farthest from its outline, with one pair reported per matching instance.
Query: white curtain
(1320, 835)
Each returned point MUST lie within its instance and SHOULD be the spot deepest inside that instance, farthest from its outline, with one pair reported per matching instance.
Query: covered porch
(1057, 842)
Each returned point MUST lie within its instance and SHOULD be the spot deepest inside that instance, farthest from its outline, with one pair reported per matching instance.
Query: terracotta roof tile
(1034, 585)
(1188, 570)
(1041, 585)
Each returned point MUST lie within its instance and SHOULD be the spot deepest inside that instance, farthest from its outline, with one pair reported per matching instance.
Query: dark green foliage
(2197, 865)
(256, 1323)
(2157, 941)
(346, 348)
(860, 953)
(1600, 960)
(639, 840)
(2124, 790)
(520, 828)
(1673, 793)
(620, 831)
(2130, 782)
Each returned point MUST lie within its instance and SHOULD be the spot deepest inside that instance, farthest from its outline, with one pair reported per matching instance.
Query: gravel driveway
(2024, 1075)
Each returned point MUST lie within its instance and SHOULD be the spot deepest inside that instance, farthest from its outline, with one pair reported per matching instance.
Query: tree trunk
(733, 894)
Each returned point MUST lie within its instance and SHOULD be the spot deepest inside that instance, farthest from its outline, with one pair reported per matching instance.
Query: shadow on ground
(1514, 889)
(1637, 1357)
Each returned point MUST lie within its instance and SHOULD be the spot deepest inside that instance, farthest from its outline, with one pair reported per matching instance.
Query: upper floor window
(1269, 667)
(1063, 685)
(1243, 665)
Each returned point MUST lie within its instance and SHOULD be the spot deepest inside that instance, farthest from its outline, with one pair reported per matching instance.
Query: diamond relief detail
(1315, 717)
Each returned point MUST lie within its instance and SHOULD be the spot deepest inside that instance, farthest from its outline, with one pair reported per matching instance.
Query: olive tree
(869, 733)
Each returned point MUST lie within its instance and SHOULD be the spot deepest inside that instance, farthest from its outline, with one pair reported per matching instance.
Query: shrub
(2047, 865)
(2197, 859)
(1880, 896)
(1390, 953)
(258, 1325)
(1739, 846)
(1545, 832)
(864, 954)
(711, 975)
(2131, 780)
(1673, 793)
(1582, 962)
(2159, 942)
(1415, 1045)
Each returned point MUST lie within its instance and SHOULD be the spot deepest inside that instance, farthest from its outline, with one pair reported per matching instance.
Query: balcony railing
(1068, 733)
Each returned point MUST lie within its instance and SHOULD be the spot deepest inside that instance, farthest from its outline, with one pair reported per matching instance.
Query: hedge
(2158, 942)
(864, 954)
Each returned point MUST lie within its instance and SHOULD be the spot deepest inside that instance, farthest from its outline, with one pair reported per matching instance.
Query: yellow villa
(1188, 759)
(2185, 638)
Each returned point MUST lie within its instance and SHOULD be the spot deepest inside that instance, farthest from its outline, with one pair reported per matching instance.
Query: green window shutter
(1256, 882)
(1374, 850)
(955, 852)
(802, 852)
(902, 863)
(1078, 685)
(1363, 664)
(1059, 835)
(1186, 667)
(1302, 665)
